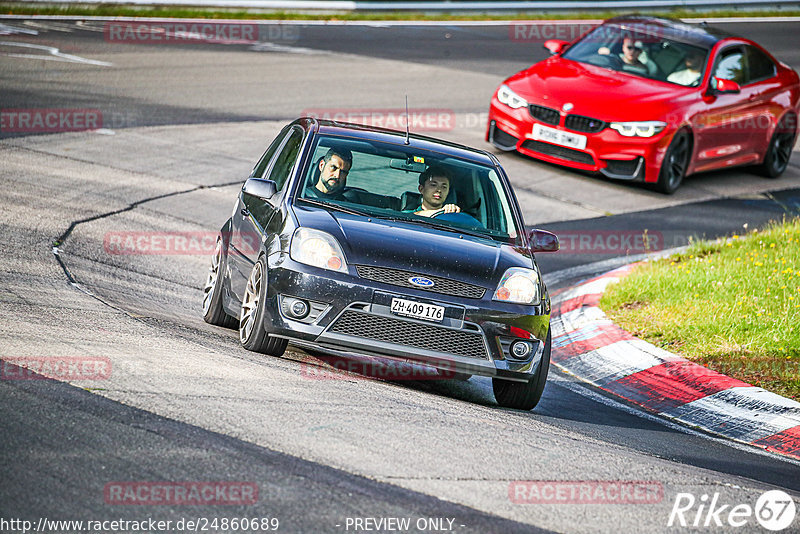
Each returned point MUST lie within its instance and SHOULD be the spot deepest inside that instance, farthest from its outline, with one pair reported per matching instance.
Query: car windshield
(399, 182)
(641, 50)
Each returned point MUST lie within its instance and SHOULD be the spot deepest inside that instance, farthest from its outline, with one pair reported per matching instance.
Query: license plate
(418, 310)
(559, 137)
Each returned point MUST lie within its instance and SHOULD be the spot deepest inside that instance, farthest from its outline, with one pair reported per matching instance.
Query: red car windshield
(641, 53)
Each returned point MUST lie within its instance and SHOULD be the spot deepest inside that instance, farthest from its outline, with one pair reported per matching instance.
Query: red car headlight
(511, 99)
(638, 128)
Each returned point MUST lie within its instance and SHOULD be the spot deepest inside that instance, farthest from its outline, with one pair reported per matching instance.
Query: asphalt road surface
(327, 452)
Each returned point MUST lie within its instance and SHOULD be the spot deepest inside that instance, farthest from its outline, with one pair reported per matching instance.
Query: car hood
(596, 91)
(411, 247)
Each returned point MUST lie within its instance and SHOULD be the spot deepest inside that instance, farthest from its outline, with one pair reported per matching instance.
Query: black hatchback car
(358, 241)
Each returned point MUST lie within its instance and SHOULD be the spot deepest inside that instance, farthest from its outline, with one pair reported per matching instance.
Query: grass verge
(108, 10)
(732, 305)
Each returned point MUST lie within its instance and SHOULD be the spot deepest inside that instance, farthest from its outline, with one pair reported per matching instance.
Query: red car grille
(559, 151)
(541, 113)
(579, 123)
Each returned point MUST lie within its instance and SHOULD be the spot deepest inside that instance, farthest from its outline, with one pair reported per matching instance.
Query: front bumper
(352, 315)
(606, 152)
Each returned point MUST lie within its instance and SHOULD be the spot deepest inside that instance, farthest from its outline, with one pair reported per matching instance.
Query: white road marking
(52, 26)
(272, 47)
(81, 24)
(5, 29)
(55, 54)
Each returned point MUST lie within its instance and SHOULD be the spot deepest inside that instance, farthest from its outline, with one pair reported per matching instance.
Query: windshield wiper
(323, 204)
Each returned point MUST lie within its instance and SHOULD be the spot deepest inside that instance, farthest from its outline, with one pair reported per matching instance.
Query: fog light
(520, 349)
(296, 308)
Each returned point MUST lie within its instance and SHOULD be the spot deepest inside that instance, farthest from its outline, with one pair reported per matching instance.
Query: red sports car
(651, 100)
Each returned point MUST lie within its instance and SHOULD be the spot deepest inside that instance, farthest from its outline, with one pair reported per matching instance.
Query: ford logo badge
(421, 282)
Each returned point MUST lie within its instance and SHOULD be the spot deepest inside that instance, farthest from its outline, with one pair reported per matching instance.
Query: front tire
(676, 161)
(213, 312)
(780, 149)
(524, 395)
(252, 333)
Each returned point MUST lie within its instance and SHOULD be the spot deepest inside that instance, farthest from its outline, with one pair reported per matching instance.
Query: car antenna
(408, 141)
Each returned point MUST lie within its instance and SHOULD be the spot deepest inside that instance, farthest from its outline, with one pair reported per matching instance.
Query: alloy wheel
(252, 296)
(677, 161)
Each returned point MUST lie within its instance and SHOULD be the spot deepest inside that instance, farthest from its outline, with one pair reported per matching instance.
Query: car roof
(673, 29)
(373, 133)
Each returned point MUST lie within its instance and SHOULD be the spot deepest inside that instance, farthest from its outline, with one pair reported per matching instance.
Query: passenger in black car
(333, 169)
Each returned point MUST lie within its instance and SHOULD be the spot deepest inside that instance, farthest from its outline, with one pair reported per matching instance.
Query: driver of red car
(631, 57)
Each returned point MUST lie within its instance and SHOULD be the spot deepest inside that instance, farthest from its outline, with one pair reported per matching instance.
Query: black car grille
(397, 277)
(541, 113)
(410, 334)
(579, 123)
(559, 151)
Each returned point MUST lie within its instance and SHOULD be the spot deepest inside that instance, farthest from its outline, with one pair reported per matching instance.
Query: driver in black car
(434, 185)
(333, 169)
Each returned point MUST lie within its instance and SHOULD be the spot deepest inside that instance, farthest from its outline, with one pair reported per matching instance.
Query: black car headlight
(318, 249)
(520, 286)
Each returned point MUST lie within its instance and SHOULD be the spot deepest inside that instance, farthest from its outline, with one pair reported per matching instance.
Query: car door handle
(245, 212)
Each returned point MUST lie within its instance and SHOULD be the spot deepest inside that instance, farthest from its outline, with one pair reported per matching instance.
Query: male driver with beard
(333, 169)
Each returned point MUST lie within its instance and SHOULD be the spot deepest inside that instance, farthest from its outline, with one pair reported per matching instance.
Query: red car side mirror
(555, 46)
(542, 241)
(725, 86)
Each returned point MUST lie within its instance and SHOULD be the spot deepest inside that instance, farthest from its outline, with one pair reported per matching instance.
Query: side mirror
(555, 46)
(542, 241)
(258, 187)
(725, 86)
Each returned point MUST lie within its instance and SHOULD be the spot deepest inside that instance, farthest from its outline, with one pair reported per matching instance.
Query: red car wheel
(676, 160)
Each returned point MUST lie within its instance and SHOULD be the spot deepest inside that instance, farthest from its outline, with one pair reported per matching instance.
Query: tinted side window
(730, 66)
(759, 65)
(261, 166)
(286, 159)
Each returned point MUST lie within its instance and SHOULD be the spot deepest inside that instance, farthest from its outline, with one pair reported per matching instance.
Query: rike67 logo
(774, 510)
